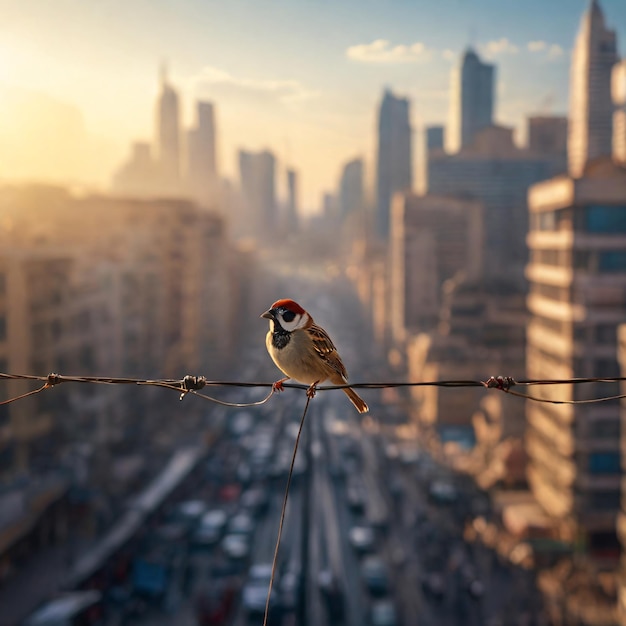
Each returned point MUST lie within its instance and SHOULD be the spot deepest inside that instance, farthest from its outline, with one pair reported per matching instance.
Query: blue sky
(302, 77)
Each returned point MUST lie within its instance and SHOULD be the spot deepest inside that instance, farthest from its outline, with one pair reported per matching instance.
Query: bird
(303, 351)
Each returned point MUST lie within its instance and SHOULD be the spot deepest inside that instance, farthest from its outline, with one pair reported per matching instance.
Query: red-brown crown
(290, 305)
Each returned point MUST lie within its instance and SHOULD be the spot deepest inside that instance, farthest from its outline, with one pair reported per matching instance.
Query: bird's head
(288, 315)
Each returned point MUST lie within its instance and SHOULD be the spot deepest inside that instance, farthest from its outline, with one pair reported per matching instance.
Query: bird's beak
(269, 314)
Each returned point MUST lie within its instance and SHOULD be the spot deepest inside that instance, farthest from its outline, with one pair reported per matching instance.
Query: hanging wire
(193, 385)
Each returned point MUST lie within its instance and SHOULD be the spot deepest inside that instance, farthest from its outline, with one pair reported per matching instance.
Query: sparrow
(303, 351)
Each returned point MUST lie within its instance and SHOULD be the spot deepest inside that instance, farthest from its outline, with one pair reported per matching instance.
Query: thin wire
(192, 384)
(24, 395)
(283, 510)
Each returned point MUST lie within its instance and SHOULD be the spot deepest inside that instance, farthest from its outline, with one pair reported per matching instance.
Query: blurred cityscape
(125, 505)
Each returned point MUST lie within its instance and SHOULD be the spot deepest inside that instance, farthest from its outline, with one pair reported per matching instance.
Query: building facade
(394, 162)
(472, 101)
(577, 276)
(591, 107)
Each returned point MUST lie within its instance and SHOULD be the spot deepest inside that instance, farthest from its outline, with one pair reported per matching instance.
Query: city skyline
(266, 69)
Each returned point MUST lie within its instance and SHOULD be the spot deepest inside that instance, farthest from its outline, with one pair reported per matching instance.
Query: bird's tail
(356, 399)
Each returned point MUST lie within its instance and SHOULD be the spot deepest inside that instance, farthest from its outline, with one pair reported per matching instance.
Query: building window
(612, 261)
(604, 463)
(605, 500)
(605, 219)
(3, 328)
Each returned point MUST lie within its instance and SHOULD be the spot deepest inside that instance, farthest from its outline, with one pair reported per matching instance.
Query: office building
(591, 106)
(472, 100)
(168, 135)
(618, 89)
(577, 299)
(435, 138)
(257, 171)
(494, 172)
(201, 159)
(351, 189)
(394, 163)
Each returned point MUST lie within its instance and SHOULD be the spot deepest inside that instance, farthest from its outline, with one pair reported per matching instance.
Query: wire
(193, 384)
(284, 508)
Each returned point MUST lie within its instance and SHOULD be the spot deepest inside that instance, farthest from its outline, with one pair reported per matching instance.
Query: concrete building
(136, 177)
(547, 137)
(394, 160)
(472, 100)
(494, 172)
(168, 136)
(577, 276)
(292, 215)
(435, 138)
(201, 156)
(432, 239)
(618, 90)
(257, 171)
(351, 189)
(591, 107)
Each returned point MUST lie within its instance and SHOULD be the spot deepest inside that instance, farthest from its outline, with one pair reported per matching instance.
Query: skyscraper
(258, 186)
(591, 107)
(168, 133)
(201, 163)
(472, 101)
(435, 138)
(351, 188)
(292, 201)
(618, 88)
(394, 160)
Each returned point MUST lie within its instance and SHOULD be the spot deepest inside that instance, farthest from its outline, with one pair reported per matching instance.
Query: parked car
(210, 528)
(375, 575)
(383, 613)
(362, 538)
(255, 589)
(236, 547)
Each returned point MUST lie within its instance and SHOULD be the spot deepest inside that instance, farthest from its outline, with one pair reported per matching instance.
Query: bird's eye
(288, 316)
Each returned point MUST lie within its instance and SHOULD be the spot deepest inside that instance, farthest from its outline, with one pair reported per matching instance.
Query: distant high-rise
(394, 160)
(168, 132)
(292, 200)
(472, 101)
(201, 162)
(258, 186)
(591, 107)
(547, 134)
(435, 138)
(618, 89)
(351, 188)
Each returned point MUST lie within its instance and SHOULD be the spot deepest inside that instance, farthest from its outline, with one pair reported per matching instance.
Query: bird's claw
(278, 385)
(310, 392)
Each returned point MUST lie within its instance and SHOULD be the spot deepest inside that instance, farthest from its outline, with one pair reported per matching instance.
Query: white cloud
(555, 51)
(284, 90)
(498, 47)
(537, 46)
(381, 51)
(551, 52)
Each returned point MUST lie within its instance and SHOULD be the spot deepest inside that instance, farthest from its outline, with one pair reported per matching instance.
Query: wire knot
(504, 383)
(53, 379)
(192, 383)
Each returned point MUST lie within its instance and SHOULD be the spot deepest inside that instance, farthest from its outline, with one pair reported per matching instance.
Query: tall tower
(168, 131)
(591, 107)
(201, 160)
(472, 102)
(394, 160)
(351, 188)
(292, 201)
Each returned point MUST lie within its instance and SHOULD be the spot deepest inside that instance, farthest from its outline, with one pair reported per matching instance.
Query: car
(362, 538)
(189, 512)
(383, 613)
(443, 492)
(434, 585)
(210, 528)
(289, 590)
(255, 589)
(236, 547)
(375, 575)
(255, 500)
(241, 524)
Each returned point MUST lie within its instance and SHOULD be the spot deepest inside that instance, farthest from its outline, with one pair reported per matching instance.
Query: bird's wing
(326, 349)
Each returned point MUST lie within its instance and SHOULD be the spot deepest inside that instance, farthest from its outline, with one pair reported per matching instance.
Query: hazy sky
(79, 78)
